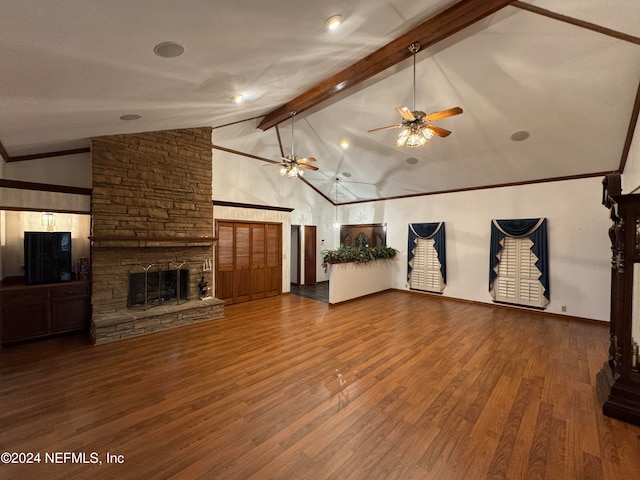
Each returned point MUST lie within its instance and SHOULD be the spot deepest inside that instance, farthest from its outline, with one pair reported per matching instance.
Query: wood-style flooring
(393, 386)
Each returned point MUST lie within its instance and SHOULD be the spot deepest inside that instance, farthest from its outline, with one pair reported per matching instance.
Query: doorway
(309, 254)
(295, 255)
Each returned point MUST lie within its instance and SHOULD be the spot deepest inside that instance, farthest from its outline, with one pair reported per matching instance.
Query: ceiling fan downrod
(293, 114)
(414, 48)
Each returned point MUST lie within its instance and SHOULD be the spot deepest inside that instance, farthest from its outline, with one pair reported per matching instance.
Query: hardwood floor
(394, 386)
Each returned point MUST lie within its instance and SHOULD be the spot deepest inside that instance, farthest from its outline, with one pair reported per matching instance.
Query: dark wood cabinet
(619, 379)
(35, 311)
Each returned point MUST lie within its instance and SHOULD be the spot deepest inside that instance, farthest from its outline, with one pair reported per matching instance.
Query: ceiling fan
(291, 165)
(416, 126)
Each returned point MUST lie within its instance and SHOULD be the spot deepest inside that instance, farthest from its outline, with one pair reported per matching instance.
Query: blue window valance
(533, 228)
(433, 230)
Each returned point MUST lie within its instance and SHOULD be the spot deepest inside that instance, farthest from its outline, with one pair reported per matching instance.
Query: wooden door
(309, 254)
(273, 274)
(258, 261)
(242, 268)
(248, 260)
(224, 261)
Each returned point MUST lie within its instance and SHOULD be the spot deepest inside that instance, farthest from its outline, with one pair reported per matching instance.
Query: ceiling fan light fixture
(414, 137)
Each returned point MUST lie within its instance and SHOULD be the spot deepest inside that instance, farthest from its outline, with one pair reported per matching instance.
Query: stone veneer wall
(151, 204)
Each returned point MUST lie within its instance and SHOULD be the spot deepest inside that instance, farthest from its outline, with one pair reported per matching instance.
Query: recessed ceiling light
(344, 144)
(346, 174)
(411, 160)
(520, 136)
(238, 97)
(168, 49)
(130, 116)
(333, 22)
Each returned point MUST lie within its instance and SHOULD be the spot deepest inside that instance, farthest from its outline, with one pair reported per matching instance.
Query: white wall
(245, 180)
(577, 228)
(70, 170)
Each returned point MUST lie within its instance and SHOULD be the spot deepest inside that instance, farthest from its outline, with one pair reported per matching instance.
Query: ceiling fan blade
(310, 167)
(385, 128)
(444, 114)
(405, 113)
(306, 160)
(441, 132)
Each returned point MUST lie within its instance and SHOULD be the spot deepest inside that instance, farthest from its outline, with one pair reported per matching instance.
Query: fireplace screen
(156, 287)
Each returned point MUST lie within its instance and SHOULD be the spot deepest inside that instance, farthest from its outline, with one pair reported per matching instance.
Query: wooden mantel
(121, 241)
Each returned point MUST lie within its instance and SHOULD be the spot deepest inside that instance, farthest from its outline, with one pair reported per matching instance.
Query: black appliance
(47, 257)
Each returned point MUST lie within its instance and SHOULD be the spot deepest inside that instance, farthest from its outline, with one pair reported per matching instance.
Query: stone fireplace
(152, 215)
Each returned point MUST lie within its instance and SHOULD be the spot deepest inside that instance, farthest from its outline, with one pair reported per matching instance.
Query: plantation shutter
(519, 262)
(425, 272)
(518, 279)
(426, 257)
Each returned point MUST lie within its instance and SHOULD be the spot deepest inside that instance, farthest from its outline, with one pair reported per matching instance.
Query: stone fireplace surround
(151, 203)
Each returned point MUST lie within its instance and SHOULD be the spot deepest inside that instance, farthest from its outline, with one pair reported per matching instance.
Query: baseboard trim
(506, 305)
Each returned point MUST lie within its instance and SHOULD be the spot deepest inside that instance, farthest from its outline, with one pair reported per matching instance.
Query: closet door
(273, 275)
(258, 263)
(248, 261)
(224, 262)
(242, 271)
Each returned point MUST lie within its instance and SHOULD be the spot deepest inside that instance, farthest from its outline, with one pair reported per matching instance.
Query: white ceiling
(70, 69)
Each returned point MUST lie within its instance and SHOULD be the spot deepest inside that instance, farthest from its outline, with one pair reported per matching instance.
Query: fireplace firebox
(152, 288)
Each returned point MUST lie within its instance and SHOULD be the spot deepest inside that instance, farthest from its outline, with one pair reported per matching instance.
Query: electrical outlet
(564, 308)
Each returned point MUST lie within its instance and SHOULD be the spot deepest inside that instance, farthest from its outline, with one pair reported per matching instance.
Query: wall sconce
(48, 220)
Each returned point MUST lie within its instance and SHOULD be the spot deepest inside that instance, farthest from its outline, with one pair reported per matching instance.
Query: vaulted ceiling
(566, 73)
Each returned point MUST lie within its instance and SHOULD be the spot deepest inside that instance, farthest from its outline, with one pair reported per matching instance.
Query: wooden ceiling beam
(3, 153)
(633, 121)
(578, 23)
(432, 31)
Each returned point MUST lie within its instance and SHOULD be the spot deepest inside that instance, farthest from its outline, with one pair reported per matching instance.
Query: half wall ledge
(110, 327)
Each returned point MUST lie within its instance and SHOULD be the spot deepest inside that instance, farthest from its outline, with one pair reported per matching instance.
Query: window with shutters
(425, 273)
(518, 278)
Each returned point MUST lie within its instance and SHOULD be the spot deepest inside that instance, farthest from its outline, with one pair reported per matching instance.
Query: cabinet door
(70, 313)
(24, 316)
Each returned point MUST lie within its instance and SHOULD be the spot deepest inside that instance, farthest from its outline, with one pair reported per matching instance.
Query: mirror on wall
(370, 234)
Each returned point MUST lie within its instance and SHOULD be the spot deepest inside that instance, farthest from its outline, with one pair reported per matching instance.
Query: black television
(47, 257)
